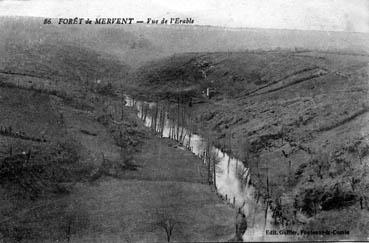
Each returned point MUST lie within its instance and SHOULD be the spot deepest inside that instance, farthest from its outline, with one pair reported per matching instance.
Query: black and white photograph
(184, 121)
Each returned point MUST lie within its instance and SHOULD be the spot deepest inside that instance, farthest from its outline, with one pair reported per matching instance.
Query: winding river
(231, 176)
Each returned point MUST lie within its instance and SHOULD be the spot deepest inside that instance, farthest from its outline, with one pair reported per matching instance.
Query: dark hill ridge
(66, 62)
(302, 115)
(242, 73)
(56, 66)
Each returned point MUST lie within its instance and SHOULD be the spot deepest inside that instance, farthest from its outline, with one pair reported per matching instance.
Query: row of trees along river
(225, 173)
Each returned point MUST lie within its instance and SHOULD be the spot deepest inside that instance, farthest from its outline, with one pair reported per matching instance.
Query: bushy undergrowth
(127, 134)
(332, 183)
(105, 89)
(48, 222)
(39, 171)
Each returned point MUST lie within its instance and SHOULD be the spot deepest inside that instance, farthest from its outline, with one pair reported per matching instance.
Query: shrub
(42, 170)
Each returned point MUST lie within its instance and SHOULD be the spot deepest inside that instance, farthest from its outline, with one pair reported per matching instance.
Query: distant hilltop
(138, 43)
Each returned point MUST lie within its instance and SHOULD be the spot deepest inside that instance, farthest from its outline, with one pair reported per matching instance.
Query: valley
(281, 131)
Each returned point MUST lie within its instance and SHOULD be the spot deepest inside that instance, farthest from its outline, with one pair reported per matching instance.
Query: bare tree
(168, 225)
(321, 158)
(75, 218)
(284, 131)
(122, 103)
(166, 221)
(215, 159)
(245, 148)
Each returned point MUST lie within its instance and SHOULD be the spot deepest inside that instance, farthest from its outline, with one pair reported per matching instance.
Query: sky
(324, 15)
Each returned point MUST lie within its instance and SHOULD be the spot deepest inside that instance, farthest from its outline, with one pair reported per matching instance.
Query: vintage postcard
(184, 121)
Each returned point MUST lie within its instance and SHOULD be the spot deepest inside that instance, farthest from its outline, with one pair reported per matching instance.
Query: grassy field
(131, 208)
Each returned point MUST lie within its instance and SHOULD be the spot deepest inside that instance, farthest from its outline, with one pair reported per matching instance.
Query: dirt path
(168, 185)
